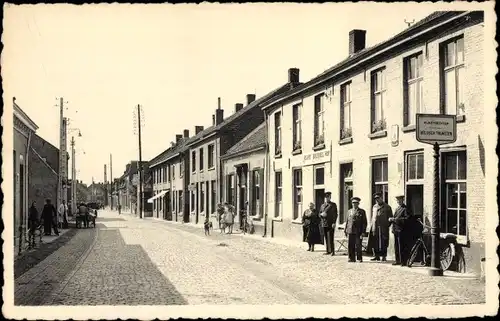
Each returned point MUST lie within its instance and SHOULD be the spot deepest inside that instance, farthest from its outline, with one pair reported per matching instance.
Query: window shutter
(250, 193)
(261, 192)
(235, 189)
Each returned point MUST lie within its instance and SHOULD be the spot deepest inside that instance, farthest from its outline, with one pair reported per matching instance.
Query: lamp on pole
(73, 171)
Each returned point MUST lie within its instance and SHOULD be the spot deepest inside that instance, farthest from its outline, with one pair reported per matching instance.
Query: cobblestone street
(127, 261)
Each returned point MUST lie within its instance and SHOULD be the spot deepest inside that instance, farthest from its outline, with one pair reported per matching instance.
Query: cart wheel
(446, 256)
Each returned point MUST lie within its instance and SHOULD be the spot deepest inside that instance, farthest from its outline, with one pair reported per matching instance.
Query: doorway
(319, 197)
(415, 199)
(346, 191)
(319, 186)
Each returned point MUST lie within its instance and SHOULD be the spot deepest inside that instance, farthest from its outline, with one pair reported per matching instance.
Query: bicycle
(447, 252)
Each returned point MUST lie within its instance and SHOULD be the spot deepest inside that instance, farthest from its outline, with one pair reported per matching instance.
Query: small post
(435, 269)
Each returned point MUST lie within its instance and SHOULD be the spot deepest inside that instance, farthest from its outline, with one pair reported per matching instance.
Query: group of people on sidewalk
(319, 228)
(50, 218)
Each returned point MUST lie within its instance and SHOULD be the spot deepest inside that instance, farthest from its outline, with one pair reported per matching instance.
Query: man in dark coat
(355, 227)
(49, 215)
(379, 230)
(401, 231)
(328, 214)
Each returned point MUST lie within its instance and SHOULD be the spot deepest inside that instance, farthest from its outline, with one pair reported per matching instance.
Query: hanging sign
(432, 129)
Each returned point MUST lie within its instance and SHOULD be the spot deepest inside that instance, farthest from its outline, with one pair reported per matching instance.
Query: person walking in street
(328, 214)
(229, 218)
(378, 239)
(401, 232)
(310, 224)
(49, 216)
(355, 227)
(84, 212)
(62, 214)
(33, 222)
(220, 217)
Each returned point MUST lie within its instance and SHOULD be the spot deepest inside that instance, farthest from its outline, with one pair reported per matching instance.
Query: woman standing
(49, 215)
(229, 218)
(310, 224)
(33, 222)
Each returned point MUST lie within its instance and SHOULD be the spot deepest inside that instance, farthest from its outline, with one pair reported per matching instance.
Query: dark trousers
(86, 220)
(329, 239)
(354, 247)
(401, 247)
(380, 243)
(54, 226)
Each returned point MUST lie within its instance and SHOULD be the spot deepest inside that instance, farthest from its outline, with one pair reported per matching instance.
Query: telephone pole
(140, 159)
(73, 176)
(111, 180)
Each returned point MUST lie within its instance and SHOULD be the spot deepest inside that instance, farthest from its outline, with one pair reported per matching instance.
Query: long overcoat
(401, 216)
(311, 227)
(380, 226)
(356, 222)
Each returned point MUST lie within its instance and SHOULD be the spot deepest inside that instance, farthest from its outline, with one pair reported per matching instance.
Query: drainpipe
(24, 217)
(266, 185)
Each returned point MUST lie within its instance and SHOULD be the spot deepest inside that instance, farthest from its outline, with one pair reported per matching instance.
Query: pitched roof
(255, 139)
(354, 58)
(179, 147)
(210, 130)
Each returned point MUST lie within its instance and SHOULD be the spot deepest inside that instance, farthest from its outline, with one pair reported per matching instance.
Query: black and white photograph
(249, 160)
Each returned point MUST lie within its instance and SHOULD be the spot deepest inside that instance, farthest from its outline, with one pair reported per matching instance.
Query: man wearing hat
(402, 231)
(328, 214)
(378, 239)
(355, 226)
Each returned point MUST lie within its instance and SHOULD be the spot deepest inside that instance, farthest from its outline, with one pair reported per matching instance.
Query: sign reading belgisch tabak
(440, 129)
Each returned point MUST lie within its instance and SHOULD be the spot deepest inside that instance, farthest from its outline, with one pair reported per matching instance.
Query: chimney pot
(357, 41)
(213, 120)
(198, 129)
(250, 98)
(186, 133)
(237, 107)
(293, 75)
(178, 138)
(218, 103)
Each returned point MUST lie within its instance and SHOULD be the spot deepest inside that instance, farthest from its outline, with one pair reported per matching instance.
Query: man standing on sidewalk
(401, 232)
(379, 230)
(328, 214)
(355, 227)
(62, 213)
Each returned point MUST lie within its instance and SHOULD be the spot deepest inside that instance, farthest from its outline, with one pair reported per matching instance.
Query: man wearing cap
(355, 226)
(328, 214)
(379, 231)
(401, 231)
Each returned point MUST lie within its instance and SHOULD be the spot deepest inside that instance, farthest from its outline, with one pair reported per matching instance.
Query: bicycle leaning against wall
(450, 251)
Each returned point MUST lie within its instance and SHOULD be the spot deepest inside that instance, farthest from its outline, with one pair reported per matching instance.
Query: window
(181, 168)
(173, 171)
(169, 170)
(413, 88)
(297, 188)
(211, 156)
(181, 201)
(256, 193)
(193, 161)
(415, 166)
(230, 191)
(319, 185)
(278, 193)
(379, 178)
(319, 121)
(193, 201)
(201, 159)
(345, 111)
(454, 219)
(297, 129)
(202, 197)
(346, 190)
(277, 133)
(378, 100)
(453, 57)
(213, 197)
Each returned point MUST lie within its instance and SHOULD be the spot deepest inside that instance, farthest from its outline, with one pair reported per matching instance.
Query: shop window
(454, 219)
(380, 182)
(413, 88)
(278, 193)
(297, 193)
(378, 100)
(319, 120)
(346, 191)
(297, 127)
(277, 133)
(453, 76)
(345, 111)
(319, 186)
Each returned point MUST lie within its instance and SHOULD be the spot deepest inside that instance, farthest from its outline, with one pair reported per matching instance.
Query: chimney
(198, 129)
(250, 98)
(357, 41)
(293, 75)
(213, 120)
(219, 113)
(178, 138)
(186, 133)
(237, 107)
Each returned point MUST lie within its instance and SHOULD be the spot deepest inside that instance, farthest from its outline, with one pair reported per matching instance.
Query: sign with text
(440, 129)
(318, 157)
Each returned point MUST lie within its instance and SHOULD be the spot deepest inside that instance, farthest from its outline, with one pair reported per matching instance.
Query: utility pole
(105, 186)
(140, 159)
(111, 180)
(73, 176)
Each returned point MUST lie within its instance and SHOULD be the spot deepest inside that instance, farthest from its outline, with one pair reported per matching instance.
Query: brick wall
(43, 181)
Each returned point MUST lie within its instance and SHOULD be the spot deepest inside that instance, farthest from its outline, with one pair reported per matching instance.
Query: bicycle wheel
(413, 253)
(446, 256)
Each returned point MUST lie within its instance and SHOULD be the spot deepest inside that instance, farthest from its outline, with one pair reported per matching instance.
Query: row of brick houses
(349, 130)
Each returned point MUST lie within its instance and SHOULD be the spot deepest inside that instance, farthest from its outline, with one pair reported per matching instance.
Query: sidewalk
(291, 243)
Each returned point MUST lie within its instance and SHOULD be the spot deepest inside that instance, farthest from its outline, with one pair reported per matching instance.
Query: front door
(319, 197)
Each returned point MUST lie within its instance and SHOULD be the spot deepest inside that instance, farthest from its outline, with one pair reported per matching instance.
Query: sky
(173, 60)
